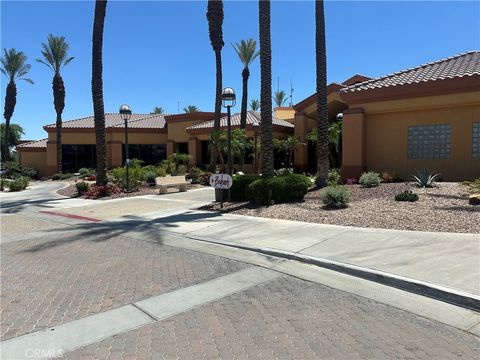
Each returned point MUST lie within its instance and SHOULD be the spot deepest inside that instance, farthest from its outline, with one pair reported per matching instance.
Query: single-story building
(423, 117)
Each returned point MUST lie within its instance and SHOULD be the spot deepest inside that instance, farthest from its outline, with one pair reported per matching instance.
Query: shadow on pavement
(103, 231)
(13, 207)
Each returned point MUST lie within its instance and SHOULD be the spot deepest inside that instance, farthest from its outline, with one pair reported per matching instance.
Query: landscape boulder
(474, 199)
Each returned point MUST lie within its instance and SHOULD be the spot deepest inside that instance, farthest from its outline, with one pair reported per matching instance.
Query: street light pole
(229, 100)
(126, 112)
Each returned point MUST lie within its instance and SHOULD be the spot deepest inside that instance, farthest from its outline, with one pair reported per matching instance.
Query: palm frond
(55, 53)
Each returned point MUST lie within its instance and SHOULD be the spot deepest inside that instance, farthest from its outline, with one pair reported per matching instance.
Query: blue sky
(159, 53)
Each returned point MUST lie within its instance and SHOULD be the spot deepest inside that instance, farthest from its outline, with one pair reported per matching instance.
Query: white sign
(221, 181)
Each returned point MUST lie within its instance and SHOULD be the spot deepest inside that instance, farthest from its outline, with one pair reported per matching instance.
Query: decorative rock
(474, 199)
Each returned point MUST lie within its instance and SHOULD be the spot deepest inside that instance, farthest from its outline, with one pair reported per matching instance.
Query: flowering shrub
(98, 191)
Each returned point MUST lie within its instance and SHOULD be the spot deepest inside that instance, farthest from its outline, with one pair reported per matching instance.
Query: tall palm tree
(14, 135)
(322, 108)
(15, 67)
(190, 109)
(266, 137)
(254, 105)
(247, 52)
(280, 97)
(158, 110)
(215, 22)
(55, 56)
(97, 90)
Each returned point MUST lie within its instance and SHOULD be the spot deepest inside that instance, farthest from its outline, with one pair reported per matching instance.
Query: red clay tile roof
(253, 119)
(461, 65)
(114, 120)
(36, 144)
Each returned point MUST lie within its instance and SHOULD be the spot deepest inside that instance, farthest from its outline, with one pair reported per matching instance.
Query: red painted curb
(70, 216)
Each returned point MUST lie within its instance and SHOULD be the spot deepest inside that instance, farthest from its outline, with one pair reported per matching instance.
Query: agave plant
(424, 178)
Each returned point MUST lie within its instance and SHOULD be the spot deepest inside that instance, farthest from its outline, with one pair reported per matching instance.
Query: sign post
(221, 182)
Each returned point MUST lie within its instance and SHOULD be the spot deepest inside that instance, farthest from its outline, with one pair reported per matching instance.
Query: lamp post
(229, 100)
(126, 112)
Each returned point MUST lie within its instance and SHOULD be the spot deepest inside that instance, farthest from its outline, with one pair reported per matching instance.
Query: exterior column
(170, 148)
(114, 154)
(300, 155)
(354, 155)
(194, 150)
(51, 157)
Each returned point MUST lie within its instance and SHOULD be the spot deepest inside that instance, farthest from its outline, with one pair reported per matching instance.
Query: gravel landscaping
(443, 207)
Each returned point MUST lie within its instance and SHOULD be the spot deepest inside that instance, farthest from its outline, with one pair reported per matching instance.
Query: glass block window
(476, 140)
(429, 141)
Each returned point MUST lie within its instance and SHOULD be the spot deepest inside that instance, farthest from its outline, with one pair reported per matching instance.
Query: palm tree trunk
(58, 88)
(243, 112)
(322, 109)
(266, 138)
(218, 105)
(10, 101)
(97, 90)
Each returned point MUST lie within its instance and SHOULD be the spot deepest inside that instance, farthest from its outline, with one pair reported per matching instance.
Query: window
(150, 154)
(429, 142)
(476, 140)
(75, 157)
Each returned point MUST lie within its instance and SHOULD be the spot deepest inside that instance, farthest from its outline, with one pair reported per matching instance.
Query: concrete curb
(437, 292)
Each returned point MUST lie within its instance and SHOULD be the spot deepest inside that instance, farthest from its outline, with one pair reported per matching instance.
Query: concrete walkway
(450, 260)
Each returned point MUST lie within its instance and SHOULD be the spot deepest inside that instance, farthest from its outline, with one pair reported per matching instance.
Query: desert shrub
(334, 177)
(86, 172)
(407, 195)
(205, 178)
(424, 178)
(134, 174)
(194, 174)
(98, 191)
(369, 179)
(282, 171)
(386, 177)
(473, 186)
(170, 166)
(296, 186)
(335, 197)
(147, 169)
(180, 159)
(181, 170)
(239, 186)
(18, 184)
(266, 191)
(61, 176)
(150, 177)
(82, 187)
(396, 178)
(136, 163)
(161, 171)
(3, 183)
(14, 170)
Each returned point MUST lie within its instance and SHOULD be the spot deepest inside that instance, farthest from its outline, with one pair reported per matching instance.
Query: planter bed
(442, 208)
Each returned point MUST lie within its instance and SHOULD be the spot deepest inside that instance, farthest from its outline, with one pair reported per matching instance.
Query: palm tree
(246, 51)
(266, 137)
(254, 105)
(215, 22)
(97, 90)
(15, 134)
(322, 109)
(158, 110)
(190, 109)
(15, 67)
(55, 56)
(280, 97)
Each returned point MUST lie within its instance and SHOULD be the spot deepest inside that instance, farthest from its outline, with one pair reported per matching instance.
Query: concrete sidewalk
(448, 260)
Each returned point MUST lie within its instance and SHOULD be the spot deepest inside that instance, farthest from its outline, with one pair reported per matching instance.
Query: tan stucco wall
(176, 130)
(36, 160)
(284, 113)
(386, 135)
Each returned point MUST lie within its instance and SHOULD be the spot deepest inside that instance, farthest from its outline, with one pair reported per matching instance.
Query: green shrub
(239, 186)
(136, 163)
(424, 178)
(296, 186)
(161, 171)
(60, 176)
(134, 174)
(180, 159)
(473, 186)
(334, 177)
(82, 187)
(147, 169)
(13, 170)
(335, 197)
(407, 195)
(266, 191)
(396, 179)
(170, 166)
(194, 174)
(282, 171)
(18, 184)
(181, 170)
(151, 176)
(84, 172)
(369, 179)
